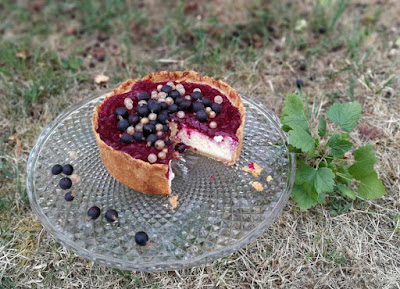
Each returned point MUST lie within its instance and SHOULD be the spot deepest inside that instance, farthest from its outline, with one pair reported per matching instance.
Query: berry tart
(143, 124)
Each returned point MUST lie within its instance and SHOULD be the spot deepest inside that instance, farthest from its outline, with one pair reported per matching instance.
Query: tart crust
(143, 176)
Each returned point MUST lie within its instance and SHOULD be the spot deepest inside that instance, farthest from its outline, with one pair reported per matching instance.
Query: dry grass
(358, 248)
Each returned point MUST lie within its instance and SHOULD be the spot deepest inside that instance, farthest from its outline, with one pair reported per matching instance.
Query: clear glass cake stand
(218, 211)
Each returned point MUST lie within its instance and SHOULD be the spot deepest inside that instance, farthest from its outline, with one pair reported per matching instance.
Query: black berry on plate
(138, 136)
(68, 169)
(148, 129)
(166, 88)
(151, 139)
(126, 138)
(299, 83)
(143, 110)
(206, 102)
(173, 108)
(174, 94)
(65, 183)
(143, 96)
(123, 124)
(69, 196)
(201, 116)
(216, 107)
(56, 169)
(153, 122)
(93, 213)
(162, 117)
(111, 215)
(196, 106)
(121, 111)
(141, 238)
(133, 119)
(180, 147)
(196, 95)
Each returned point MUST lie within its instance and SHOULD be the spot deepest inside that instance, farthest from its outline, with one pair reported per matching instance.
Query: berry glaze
(228, 120)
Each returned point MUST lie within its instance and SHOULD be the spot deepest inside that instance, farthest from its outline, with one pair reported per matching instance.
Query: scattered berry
(197, 106)
(299, 83)
(152, 158)
(216, 107)
(173, 108)
(138, 136)
(218, 99)
(206, 102)
(144, 120)
(126, 138)
(159, 144)
(143, 96)
(174, 94)
(65, 183)
(68, 169)
(133, 119)
(121, 111)
(168, 101)
(56, 169)
(185, 105)
(166, 89)
(148, 129)
(196, 95)
(123, 124)
(130, 130)
(159, 127)
(155, 107)
(162, 155)
(141, 238)
(201, 116)
(213, 124)
(165, 128)
(143, 110)
(180, 114)
(180, 147)
(111, 215)
(178, 100)
(151, 139)
(93, 213)
(164, 105)
(69, 196)
(212, 114)
(162, 117)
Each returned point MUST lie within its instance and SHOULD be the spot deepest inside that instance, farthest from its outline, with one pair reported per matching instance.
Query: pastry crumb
(75, 178)
(269, 178)
(253, 168)
(173, 201)
(257, 186)
(212, 176)
(73, 155)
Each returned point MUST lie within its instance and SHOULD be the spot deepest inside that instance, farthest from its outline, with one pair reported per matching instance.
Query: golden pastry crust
(143, 176)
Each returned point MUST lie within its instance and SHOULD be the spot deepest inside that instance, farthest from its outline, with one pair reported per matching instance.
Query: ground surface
(50, 53)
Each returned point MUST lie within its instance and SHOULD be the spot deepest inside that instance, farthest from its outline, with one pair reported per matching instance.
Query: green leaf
(302, 198)
(346, 191)
(322, 126)
(305, 174)
(364, 162)
(312, 193)
(301, 139)
(321, 198)
(339, 145)
(371, 187)
(345, 115)
(343, 176)
(293, 112)
(324, 180)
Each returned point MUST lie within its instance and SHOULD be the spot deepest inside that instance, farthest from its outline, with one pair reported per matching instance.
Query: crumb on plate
(269, 178)
(253, 168)
(173, 201)
(257, 186)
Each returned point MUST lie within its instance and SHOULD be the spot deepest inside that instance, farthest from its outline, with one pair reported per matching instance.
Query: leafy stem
(321, 166)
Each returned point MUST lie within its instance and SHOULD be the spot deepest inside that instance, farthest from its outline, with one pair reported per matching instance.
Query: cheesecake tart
(144, 124)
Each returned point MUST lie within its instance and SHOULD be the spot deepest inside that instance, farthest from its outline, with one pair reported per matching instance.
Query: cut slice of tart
(144, 124)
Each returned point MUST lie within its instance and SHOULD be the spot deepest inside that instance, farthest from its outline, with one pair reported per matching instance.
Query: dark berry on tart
(156, 119)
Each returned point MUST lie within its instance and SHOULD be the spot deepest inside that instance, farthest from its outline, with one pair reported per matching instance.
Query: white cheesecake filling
(219, 147)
